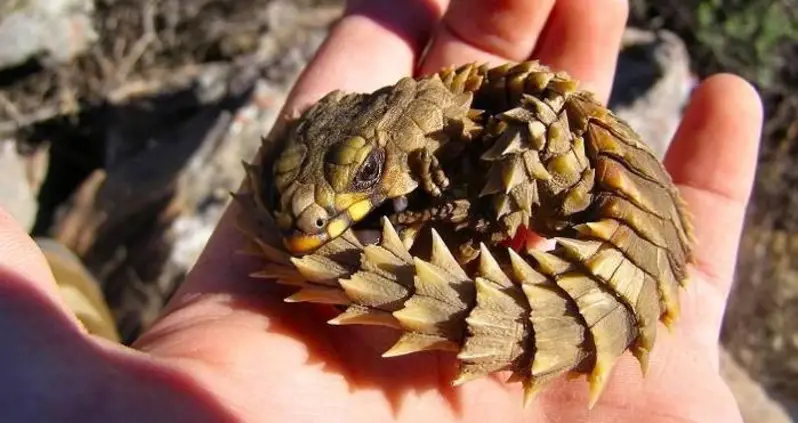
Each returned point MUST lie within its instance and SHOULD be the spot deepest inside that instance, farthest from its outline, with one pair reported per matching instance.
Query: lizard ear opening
(312, 220)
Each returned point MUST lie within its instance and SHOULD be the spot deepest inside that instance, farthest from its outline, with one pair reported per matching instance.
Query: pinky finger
(713, 160)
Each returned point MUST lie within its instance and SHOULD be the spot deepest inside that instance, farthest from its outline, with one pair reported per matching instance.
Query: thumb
(53, 371)
(25, 276)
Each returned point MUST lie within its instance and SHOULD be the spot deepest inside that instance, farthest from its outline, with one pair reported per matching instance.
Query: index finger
(374, 44)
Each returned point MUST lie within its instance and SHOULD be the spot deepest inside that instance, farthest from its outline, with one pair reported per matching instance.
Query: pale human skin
(228, 349)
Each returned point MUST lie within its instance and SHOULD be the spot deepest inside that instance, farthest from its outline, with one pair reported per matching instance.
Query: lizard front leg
(457, 212)
(428, 170)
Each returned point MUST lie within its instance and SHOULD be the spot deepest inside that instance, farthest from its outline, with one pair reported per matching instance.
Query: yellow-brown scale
(559, 162)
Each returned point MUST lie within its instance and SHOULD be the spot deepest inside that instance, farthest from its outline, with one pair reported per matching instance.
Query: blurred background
(123, 123)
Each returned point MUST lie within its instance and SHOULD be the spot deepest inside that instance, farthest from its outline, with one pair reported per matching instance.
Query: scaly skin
(481, 152)
(350, 153)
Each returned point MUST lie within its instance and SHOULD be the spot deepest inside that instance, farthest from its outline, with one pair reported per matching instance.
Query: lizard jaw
(299, 243)
(302, 243)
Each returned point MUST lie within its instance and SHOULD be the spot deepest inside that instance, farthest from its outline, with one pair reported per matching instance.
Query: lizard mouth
(369, 230)
(362, 217)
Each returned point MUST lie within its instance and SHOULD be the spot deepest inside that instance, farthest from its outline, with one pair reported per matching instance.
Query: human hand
(227, 347)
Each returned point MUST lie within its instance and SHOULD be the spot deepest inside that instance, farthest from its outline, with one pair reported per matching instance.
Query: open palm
(227, 348)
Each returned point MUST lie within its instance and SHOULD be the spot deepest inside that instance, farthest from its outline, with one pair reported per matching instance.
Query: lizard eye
(370, 171)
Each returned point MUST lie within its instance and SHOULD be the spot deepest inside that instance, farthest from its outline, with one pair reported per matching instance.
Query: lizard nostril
(320, 223)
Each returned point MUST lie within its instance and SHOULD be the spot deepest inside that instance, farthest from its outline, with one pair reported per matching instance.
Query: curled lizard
(412, 207)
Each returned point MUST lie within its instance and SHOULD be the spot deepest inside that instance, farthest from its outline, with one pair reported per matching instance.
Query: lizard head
(335, 168)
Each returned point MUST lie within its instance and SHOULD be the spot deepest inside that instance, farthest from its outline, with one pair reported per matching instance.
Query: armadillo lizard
(409, 207)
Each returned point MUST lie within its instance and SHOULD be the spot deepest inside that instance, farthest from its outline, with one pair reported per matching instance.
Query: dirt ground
(148, 42)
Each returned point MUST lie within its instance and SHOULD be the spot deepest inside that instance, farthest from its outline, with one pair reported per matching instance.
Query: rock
(761, 316)
(17, 196)
(206, 183)
(652, 84)
(294, 36)
(52, 30)
(755, 404)
(173, 155)
(139, 223)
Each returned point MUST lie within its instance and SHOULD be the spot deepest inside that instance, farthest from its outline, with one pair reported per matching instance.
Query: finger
(24, 272)
(487, 31)
(713, 160)
(374, 44)
(585, 41)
